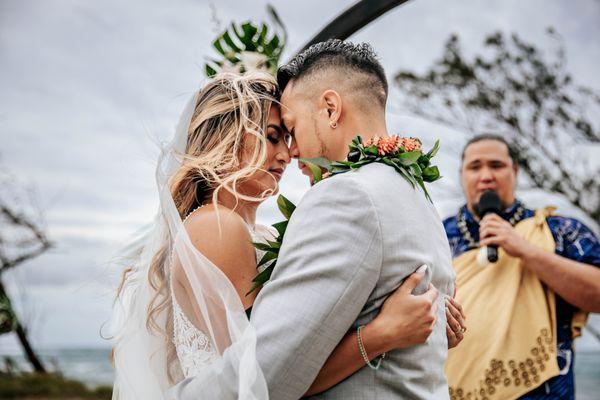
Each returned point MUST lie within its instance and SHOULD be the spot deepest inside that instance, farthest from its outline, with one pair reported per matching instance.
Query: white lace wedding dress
(141, 356)
(194, 348)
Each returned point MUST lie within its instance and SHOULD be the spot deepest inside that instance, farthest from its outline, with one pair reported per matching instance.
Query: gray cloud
(89, 87)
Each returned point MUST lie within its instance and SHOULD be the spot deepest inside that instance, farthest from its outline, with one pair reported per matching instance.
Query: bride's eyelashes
(274, 138)
(274, 134)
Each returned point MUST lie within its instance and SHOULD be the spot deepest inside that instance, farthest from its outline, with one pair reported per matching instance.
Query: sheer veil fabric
(143, 368)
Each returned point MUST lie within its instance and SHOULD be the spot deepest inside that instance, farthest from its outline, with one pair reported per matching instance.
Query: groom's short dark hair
(337, 54)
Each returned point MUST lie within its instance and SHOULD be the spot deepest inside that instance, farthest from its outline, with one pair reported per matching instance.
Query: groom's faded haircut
(341, 57)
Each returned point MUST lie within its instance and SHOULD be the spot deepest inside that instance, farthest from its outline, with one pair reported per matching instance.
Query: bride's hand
(455, 322)
(406, 319)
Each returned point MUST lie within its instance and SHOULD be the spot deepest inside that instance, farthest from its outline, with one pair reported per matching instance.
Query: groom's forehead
(290, 99)
(286, 113)
(287, 117)
(291, 92)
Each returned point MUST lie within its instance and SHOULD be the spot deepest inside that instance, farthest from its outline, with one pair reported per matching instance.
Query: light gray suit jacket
(351, 241)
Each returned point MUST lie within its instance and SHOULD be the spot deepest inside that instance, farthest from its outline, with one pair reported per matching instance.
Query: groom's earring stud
(333, 124)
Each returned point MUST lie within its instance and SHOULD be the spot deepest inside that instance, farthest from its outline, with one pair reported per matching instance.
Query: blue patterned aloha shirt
(573, 240)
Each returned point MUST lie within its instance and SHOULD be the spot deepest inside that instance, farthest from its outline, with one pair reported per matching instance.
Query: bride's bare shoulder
(222, 236)
(217, 228)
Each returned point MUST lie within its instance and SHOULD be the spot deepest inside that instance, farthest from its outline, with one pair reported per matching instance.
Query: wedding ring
(463, 329)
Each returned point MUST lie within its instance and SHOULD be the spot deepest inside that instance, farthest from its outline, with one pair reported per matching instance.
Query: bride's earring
(333, 124)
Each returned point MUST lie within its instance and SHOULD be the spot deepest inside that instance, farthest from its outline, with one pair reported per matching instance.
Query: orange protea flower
(387, 145)
(374, 141)
(411, 144)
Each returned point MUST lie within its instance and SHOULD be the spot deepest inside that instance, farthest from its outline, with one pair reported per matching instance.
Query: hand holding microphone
(489, 203)
(495, 231)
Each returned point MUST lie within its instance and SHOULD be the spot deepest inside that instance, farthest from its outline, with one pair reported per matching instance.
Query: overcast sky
(89, 87)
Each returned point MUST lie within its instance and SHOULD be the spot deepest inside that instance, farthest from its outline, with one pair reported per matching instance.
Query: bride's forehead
(287, 118)
(274, 113)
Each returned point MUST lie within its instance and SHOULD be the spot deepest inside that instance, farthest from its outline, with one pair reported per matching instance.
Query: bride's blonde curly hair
(226, 145)
(230, 111)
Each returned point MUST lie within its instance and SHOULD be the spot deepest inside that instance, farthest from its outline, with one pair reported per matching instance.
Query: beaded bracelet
(363, 352)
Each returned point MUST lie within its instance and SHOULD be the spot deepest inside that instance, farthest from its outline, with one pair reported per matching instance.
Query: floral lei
(405, 155)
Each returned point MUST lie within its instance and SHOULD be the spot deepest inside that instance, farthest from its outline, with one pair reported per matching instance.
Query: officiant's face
(487, 165)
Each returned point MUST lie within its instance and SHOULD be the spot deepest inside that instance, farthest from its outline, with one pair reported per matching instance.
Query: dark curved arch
(353, 19)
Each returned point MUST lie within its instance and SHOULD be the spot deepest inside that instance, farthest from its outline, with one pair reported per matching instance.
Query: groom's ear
(332, 103)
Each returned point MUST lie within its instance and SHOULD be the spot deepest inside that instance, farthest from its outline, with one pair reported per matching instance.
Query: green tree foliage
(512, 88)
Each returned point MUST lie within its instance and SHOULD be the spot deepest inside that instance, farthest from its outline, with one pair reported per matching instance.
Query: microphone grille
(489, 202)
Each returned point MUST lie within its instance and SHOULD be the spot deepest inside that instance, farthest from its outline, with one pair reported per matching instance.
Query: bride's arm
(224, 240)
(346, 358)
(405, 320)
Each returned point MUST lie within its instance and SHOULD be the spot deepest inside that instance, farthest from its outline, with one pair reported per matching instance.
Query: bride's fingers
(431, 294)
(413, 280)
(452, 322)
(454, 315)
(452, 341)
(457, 306)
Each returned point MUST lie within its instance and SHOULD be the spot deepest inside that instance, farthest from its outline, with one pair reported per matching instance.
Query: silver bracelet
(363, 352)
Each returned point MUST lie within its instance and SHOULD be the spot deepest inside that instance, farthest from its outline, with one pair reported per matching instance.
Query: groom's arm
(328, 265)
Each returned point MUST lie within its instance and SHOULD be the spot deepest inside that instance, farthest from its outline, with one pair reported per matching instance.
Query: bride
(182, 307)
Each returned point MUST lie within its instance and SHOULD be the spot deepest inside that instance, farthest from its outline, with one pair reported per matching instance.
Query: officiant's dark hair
(512, 153)
(336, 54)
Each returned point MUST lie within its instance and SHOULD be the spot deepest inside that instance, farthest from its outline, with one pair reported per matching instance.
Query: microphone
(489, 203)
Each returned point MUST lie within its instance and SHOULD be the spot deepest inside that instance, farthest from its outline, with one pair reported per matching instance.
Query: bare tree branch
(22, 238)
(40, 239)
(513, 89)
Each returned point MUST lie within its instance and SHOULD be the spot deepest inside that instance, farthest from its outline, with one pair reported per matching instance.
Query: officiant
(526, 280)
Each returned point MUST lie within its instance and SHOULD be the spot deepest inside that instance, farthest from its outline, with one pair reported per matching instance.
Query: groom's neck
(365, 127)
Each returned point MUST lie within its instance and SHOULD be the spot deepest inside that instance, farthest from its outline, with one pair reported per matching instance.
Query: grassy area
(25, 385)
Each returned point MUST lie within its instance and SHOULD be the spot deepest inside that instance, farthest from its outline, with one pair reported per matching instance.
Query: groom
(351, 241)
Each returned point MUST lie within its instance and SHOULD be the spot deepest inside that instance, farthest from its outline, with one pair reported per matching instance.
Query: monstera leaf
(271, 247)
(249, 46)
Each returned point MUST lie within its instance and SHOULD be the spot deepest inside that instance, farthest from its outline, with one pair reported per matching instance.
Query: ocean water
(587, 375)
(93, 367)
(89, 365)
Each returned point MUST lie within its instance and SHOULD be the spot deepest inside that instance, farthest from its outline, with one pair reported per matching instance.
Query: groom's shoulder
(377, 177)
(386, 188)
(357, 187)
(337, 184)
(337, 191)
(363, 182)
(338, 199)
